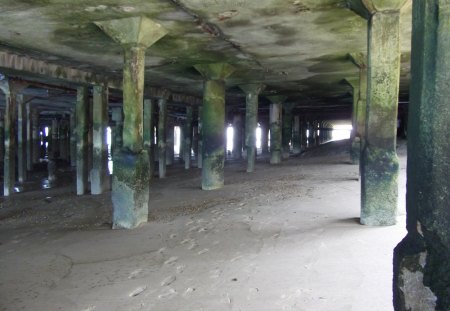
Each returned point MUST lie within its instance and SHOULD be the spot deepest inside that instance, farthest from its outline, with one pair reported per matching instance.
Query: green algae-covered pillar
(252, 92)
(99, 173)
(149, 133)
(275, 128)
(162, 141)
(199, 139)
(422, 259)
(287, 128)
(21, 139)
(213, 119)
(188, 137)
(379, 162)
(130, 183)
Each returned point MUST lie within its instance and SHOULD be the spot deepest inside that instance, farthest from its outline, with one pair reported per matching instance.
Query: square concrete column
(2, 135)
(287, 129)
(275, 128)
(162, 136)
(117, 117)
(130, 188)
(188, 137)
(296, 139)
(21, 139)
(355, 149)
(170, 142)
(73, 139)
(252, 92)
(82, 129)
(422, 259)
(29, 136)
(379, 162)
(213, 120)
(149, 133)
(264, 122)
(100, 181)
(237, 136)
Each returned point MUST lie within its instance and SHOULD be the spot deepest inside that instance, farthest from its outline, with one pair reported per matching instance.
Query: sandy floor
(284, 238)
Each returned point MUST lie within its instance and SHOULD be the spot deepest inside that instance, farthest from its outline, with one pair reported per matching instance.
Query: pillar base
(355, 151)
(379, 192)
(213, 171)
(130, 189)
(275, 157)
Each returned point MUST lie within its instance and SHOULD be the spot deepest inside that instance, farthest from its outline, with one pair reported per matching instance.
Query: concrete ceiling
(296, 47)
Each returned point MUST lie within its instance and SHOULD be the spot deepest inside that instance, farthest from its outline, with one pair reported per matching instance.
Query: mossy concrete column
(149, 133)
(252, 92)
(200, 139)
(287, 128)
(130, 191)
(188, 137)
(162, 143)
(275, 128)
(237, 137)
(82, 129)
(296, 138)
(422, 259)
(379, 162)
(213, 121)
(100, 181)
(21, 139)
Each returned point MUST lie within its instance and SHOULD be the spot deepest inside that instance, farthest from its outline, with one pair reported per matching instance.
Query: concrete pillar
(252, 92)
(355, 149)
(53, 146)
(100, 181)
(237, 137)
(82, 129)
(422, 259)
(130, 191)
(317, 133)
(275, 129)
(296, 138)
(200, 139)
(188, 138)
(2, 136)
(195, 141)
(287, 129)
(213, 119)
(162, 143)
(63, 139)
(379, 162)
(149, 133)
(73, 139)
(29, 136)
(21, 139)
(303, 132)
(170, 142)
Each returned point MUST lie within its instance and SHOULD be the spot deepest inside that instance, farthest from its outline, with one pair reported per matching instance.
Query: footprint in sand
(180, 269)
(215, 274)
(135, 273)
(168, 280)
(138, 291)
(168, 293)
(192, 246)
(203, 251)
(171, 260)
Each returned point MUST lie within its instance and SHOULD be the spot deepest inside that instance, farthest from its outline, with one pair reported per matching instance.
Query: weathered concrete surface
(287, 129)
(422, 259)
(275, 128)
(379, 162)
(21, 139)
(213, 127)
(162, 139)
(188, 137)
(149, 133)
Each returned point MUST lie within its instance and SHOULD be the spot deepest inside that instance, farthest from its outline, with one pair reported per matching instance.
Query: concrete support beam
(252, 92)
(162, 143)
(130, 191)
(237, 137)
(82, 129)
(213, 121)
(287, 128)
(100, 181)
(188, 137)
(149, 133)
(379, 162)
(275, 128)
(21, 139)
(422, 259)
